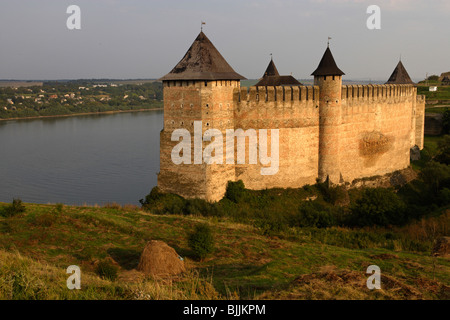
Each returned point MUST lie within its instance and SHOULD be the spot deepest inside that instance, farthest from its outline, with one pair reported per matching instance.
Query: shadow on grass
(248, 280)
(126, 258)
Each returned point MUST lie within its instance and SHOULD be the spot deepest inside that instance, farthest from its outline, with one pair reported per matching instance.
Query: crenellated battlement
(377, 91)
(279, 94)
(308, 93)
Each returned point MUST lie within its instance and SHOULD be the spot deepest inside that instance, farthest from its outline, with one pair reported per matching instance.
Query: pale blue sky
(146, 38)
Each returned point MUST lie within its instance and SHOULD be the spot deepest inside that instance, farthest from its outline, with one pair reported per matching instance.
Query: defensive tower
(198, 95)
(329, 79)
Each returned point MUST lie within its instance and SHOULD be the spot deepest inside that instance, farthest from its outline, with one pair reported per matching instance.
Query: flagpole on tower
(201, 26)
(328, 43)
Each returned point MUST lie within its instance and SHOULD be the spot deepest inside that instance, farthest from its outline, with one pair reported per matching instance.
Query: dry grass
(332, 284)
(246, 264)
(25, 278)
(427, 229)
(112, 205)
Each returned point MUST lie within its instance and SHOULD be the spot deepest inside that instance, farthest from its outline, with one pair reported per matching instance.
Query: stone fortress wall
(328, 131)
(368, 131)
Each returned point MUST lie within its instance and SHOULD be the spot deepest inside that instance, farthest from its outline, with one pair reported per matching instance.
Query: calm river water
(92, 159)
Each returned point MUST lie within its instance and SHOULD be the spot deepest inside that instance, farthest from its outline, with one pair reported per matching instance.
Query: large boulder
(160, 260)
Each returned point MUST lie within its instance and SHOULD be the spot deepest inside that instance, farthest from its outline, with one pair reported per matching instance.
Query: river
(90, 159)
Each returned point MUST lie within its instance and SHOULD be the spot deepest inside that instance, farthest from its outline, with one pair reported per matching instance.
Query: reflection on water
(91, 159)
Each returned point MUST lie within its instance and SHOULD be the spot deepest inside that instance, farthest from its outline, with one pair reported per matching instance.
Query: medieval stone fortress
(326, 131)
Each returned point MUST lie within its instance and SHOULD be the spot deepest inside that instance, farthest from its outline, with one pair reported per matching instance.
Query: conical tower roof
(327, 66)
(271, 77)
(271, 69)
(399, 75)
(202, 62)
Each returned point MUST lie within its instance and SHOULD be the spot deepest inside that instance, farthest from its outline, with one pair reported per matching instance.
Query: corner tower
(198, 95)
(329, 79)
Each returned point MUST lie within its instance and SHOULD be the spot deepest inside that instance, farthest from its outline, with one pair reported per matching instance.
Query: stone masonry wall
(377, 125)
(292, 110)
(186, 102)
(376, 129)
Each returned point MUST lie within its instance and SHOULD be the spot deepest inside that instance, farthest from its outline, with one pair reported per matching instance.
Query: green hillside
(39, 244)
(314, 242)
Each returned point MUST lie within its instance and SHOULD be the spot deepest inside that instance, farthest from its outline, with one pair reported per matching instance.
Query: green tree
(14, 208)
(443, 150)
(201, 241)
(235, 191)
(434, 174)
(446, 121)
(378, 206)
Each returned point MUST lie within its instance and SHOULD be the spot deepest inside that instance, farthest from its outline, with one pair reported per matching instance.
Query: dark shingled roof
(278, 81)
(271, 69)
(202, 62)
(272, 78)
(399, 75)
(327, 66)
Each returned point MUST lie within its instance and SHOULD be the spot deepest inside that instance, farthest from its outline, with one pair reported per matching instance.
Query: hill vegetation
(75, 97)
(38, 245)
(442, 93)
(315, 242)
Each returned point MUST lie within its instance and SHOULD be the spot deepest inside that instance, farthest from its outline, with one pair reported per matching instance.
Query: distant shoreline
(81, 114)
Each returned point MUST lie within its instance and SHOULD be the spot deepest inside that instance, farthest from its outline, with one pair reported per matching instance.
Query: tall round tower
(198, 96)
(329, 79)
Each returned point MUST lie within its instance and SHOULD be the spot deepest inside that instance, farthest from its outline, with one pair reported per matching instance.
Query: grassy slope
(37, 246)
(441, 109)
(442, 93)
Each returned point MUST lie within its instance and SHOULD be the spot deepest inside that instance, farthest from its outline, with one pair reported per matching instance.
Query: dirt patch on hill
(330, 283)
(384, 256)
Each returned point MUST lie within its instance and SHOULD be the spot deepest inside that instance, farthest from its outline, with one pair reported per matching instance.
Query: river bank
(81, 114)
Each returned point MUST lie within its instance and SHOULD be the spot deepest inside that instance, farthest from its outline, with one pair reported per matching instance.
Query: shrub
(271, 222)
(416, 193)
(333, 194)
(14, 208)
(106, 270)
(42, 220)
(444, 196)
(59, 207)
(235, 191)
(435, 174)
(130, 207)
(378, 206)
(201, 241)
(446, 121)
(5, 227)
(313, 214)
(163, 203)
(112, 205)
(200, 207)
(443, 149)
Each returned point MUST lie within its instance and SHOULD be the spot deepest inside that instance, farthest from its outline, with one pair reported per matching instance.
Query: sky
(130, 39)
